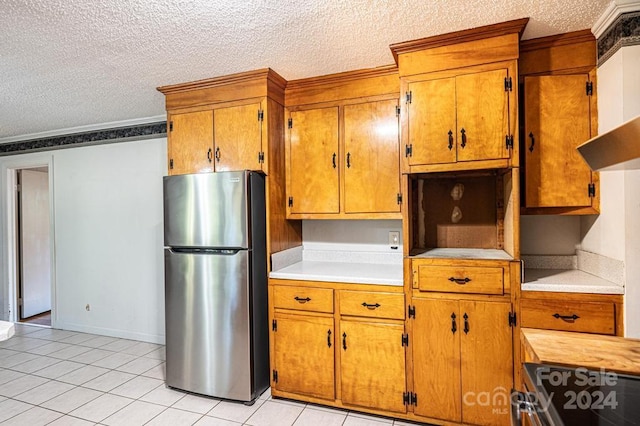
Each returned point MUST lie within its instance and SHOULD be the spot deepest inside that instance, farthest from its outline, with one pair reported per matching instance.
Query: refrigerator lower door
(208, 338)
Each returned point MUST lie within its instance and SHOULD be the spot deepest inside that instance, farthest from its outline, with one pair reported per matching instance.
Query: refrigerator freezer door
(208, 323)
(206, 210)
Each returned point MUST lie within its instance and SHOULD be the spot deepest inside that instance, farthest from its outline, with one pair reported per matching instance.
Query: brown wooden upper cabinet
(461, 118)
(342, 146)
(460, 103)
(559, 93)
(222, 139)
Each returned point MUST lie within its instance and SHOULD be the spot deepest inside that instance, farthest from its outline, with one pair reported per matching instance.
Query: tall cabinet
(460, 147)
(234, 122)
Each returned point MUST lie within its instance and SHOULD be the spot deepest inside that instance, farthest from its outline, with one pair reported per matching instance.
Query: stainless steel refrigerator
(216, 284)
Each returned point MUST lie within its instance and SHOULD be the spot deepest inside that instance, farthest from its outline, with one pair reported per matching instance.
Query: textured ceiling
(69, 63)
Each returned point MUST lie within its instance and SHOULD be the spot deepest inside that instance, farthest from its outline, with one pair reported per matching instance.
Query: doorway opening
(33, 246)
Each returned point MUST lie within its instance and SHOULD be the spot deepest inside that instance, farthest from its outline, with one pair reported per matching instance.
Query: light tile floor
(64, 378)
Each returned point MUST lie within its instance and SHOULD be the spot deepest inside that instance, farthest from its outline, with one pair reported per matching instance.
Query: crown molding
(611, 13)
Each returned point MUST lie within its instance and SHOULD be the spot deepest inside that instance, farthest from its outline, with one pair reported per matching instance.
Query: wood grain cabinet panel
(190, 147)
(371, 162)
(303, 298)
(372, 365)
(304, 355)
(461, 118)
(465, 368)
(482, 115)
(569, 315)
(238, 137)
(460, 279)
(372, 304)
(557, 120)
(312, 165)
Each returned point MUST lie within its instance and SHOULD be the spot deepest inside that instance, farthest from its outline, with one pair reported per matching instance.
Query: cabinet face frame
(512, 155)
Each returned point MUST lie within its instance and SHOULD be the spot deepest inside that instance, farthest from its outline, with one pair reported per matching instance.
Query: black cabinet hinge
(290, 201)
(591, 190)
(261, 157)
(397, 111)
(508, 84)
(410, 398)
(509, 141)
(171, 163)
(405, 340)
(274, 325)
(512, 319)
(171, 126)
(412, 312)
(589, 88)
(275, 376)
(290, 123)
(409, 96)
(408, 150)
(399, 198)
(260, 115)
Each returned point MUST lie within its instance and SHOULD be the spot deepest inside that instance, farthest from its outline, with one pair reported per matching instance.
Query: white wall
(549, 235)
(108, 237)
(350, 234)
(616, 232)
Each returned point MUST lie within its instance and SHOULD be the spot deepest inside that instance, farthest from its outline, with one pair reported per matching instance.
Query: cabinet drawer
(372, 304)
(585, 317)
(461, 279)
(303, 298)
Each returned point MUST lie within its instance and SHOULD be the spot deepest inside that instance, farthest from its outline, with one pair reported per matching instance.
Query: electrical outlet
(394, 239)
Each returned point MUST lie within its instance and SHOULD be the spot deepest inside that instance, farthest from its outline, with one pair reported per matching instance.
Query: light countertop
(567, 280)
(342, 272)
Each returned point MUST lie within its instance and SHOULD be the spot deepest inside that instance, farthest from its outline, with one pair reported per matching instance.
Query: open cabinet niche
(464, 214)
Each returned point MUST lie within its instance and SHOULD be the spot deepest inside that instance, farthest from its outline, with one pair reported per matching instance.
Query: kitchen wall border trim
(110, 135)
(624, 31)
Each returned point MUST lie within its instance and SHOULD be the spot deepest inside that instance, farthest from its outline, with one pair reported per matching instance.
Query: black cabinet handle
(464, 138)
(533, 141)
(568, 318)
(302, 300)
(466, 323)
(370, 306)
(348, 160)
(209, 155)
(454, 327)
(334, 160)
(460, 281)
(344, 341)
(218, 154)
(450, 140)
(329, 338)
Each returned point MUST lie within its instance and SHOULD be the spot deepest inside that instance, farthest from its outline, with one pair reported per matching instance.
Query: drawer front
(303, 298)
(372, 304)
(464, 279)
(584, 317)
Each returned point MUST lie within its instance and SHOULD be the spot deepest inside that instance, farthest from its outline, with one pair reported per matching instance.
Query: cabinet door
(191, 142)
(483, 115)
(486, 352)
(432, 121)
(372, 158)
(372, 365)
(557, 120)
(304, 355)
(238, 138)
(435, 343)
(313, 161)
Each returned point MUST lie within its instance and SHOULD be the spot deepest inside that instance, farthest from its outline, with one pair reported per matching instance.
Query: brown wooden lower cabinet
(372, 365)
(462, 360)
(304, 355)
